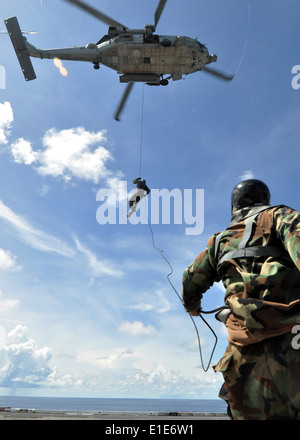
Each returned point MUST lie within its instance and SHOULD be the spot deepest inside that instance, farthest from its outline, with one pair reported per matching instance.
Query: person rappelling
(142, 191)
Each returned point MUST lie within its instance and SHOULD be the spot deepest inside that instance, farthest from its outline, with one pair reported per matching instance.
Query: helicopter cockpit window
(202, 46)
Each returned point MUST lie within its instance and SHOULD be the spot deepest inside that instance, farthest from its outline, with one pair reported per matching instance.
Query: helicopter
(137, 55)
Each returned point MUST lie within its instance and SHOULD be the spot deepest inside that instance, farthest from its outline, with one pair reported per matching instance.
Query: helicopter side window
(128, 37)
(202, 46)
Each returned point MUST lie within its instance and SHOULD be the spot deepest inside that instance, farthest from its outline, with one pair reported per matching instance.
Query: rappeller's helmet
(249, 193)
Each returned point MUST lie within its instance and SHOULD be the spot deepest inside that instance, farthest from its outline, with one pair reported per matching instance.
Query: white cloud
(33, 236)
(162, 381)
(98, 267)
(112, 371)
(8, 261)
(6, 118)
(7, 305)
(150, 303)
(69, 153)
(23, 363)
(112, 359)
(136, 328)
(22, 152)
(248, 174)
(143, 307)
(45, 242)
(158, 382)
(43, 190)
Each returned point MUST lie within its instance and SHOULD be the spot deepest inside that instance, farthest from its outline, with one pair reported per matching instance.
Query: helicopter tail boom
(21, 49)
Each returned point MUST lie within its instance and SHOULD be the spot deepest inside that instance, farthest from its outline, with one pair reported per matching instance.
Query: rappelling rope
(142, 131)
(152, 235)
(247, 39)
(171, 268)
(180, 298)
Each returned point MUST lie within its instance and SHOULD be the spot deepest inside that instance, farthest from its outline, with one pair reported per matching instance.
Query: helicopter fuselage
(137, 56)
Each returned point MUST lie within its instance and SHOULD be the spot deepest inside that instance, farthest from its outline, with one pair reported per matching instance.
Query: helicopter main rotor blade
(123, 100)
(218, 74)
(159, 11)
(105, 18)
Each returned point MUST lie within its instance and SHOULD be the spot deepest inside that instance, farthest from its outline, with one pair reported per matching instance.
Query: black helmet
(249, 193)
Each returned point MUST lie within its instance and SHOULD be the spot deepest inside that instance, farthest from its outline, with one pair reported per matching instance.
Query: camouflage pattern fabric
(262, 380)
(263, 294)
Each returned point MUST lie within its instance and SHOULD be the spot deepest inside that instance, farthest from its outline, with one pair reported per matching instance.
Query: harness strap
(243, 251)
(248, 231)
(217, 241)
(254, 251)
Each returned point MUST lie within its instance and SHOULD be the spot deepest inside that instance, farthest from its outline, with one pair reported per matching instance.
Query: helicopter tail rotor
(21, 47)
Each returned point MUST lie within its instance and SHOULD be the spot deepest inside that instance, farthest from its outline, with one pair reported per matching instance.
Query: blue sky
(86, 309)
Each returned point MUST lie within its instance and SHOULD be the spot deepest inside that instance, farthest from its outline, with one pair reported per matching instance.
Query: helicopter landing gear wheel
(164, 82)
(96, 66)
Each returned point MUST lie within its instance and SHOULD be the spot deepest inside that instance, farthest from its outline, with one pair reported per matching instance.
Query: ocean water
(110, 404)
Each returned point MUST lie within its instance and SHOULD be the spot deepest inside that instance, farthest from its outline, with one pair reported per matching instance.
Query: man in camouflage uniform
(259, 265)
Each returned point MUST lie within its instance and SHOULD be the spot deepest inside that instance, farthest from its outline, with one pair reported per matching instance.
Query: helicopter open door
(19, 44)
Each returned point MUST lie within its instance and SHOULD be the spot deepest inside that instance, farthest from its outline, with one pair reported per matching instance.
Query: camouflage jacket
(263, 292)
